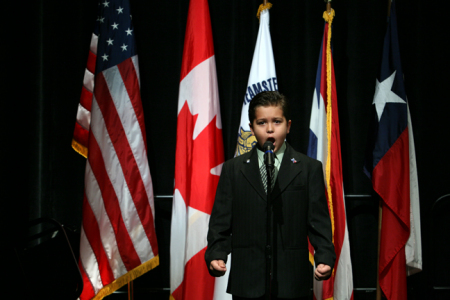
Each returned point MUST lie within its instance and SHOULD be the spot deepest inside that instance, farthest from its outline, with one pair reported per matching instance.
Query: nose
(269, 127)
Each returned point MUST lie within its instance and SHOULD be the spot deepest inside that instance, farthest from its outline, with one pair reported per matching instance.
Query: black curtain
(46, 48)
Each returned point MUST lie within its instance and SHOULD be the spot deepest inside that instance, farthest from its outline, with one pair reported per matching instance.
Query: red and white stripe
(118, 241)
(340, 285)
(198, 162)
(81, 132)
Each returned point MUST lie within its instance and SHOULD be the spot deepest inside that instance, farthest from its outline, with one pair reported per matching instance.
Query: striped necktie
(274, 173)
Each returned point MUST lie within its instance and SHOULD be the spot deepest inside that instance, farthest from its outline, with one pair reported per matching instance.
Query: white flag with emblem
(262, 78)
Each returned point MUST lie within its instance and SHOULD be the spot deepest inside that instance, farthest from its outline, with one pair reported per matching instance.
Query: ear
(288, 126)
(251, 128)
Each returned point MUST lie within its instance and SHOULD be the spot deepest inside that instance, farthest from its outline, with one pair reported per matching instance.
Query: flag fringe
(328, 16)
(126, 278)
(263, 7)
(79, 148)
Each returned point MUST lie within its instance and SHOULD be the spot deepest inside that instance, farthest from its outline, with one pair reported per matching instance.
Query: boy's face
(270, 125)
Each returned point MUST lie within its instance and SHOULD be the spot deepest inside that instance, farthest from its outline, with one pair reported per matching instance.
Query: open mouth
(271, 139)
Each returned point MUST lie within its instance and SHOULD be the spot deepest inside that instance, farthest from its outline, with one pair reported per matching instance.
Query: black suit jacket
(238, 225)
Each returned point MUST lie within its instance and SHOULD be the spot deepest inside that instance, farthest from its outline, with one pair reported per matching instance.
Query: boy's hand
(322, 272)
(218, 267)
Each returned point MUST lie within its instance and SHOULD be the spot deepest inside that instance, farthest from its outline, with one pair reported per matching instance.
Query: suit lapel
(289, 169)
(251, 172)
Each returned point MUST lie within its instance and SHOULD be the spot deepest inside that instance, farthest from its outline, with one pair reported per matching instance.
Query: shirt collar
(278, 155)
(281, 151)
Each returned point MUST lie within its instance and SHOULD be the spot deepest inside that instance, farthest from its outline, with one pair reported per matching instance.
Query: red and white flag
(199, 159)
(118, 241)
(325, 145)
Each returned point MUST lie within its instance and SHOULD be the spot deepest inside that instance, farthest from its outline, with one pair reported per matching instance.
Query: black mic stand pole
(269, 168)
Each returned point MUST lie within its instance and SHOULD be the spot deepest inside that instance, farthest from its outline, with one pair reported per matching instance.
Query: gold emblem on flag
(246, 141)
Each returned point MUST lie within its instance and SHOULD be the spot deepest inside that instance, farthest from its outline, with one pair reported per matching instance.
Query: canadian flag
(199, 159)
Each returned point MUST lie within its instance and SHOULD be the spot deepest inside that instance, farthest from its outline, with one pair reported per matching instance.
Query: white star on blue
(115, 43)
(384, 94)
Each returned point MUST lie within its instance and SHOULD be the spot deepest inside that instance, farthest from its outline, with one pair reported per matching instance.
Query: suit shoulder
(310, 159)
(239, 159)
(305, 158)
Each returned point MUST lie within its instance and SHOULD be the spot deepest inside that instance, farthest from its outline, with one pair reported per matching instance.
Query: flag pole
(380, 217)
(130, 291)
(267, 295)
(389, 8)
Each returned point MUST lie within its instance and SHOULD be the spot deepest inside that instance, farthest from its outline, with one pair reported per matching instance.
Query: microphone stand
(269, 169)
(270, 164)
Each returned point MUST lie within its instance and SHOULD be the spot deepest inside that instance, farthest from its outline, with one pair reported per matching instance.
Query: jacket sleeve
(219, 232)
(319, 223)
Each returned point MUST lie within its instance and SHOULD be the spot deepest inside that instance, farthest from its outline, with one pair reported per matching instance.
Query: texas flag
(391, 165)
(198, 161)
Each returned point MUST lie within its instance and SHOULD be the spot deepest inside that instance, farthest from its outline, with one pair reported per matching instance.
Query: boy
(299, 210)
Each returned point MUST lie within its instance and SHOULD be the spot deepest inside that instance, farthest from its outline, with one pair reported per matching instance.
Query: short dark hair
(268, 98)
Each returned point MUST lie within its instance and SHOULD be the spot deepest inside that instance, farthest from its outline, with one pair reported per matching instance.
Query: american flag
(118, 241)
(325, 145)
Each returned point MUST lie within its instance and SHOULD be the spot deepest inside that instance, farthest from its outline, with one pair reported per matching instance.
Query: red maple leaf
(195, 159)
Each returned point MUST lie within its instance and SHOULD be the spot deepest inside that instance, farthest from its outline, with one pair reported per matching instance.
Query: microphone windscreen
(268, 145)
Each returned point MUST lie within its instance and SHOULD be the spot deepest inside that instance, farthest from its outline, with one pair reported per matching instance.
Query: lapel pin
(248, 161)
(293, 160)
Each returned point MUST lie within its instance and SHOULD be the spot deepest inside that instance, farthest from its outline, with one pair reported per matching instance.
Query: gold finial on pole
(328, 2)
(328, 15)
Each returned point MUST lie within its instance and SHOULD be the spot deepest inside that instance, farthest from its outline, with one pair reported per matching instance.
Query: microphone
(269, 156)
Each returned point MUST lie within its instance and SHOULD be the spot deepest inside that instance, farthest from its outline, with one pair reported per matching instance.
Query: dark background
(45, 47)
